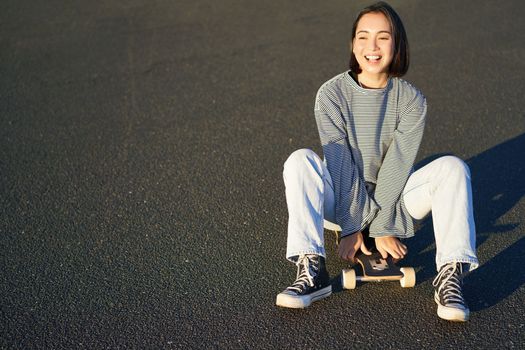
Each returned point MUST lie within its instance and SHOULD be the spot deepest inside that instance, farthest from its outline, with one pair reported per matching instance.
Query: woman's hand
(392, 246)
(349, 245)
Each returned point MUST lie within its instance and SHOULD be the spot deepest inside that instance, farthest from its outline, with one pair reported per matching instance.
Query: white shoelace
(450, 287)
(304, 276)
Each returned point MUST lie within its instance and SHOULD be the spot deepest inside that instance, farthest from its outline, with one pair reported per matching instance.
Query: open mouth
(373, 58)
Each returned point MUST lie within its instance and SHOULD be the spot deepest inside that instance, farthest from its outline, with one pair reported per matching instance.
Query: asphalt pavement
(141, 153)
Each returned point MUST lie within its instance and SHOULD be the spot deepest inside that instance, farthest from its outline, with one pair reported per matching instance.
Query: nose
(372, 44)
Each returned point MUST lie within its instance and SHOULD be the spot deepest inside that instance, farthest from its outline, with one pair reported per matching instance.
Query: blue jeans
(441, 187)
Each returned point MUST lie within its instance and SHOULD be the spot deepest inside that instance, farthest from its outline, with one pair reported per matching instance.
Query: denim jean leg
(443, 187)
(304, 182)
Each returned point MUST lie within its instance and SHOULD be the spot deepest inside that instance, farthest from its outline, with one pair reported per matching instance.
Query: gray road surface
(141, 150)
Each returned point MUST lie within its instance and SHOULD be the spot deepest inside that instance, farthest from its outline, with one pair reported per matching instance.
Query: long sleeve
(392, 220)
(354, 207)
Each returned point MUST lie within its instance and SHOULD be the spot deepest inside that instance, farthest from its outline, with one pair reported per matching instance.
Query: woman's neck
(372, 81)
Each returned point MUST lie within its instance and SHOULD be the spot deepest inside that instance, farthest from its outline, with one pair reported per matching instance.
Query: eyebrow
(381, 31)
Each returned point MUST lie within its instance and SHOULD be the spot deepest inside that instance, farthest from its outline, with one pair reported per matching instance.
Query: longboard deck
(376, 267)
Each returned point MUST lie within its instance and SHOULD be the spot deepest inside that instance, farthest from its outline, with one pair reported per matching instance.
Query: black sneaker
(448, 294)
(312, 283)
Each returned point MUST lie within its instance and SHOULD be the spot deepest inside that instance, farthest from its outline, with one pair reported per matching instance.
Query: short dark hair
(400, 60)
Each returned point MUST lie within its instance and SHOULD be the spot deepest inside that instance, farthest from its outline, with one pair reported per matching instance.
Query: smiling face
(373, 45)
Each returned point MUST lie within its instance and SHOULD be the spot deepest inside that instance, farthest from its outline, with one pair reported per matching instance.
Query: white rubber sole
(451, 313)
(300, 302)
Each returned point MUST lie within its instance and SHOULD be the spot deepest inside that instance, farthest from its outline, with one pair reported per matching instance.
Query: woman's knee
(455, 165)
(300, 158)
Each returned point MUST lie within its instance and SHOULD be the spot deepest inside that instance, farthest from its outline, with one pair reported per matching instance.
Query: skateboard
(377, 269)
(374, 267)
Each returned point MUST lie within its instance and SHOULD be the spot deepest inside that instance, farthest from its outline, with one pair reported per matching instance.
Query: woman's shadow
(498, 184)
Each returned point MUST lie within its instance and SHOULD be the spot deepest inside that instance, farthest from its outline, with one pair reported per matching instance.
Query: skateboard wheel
(348, 279)
(409, 277)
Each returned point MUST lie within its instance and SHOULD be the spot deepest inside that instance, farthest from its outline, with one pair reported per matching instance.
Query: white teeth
(372, 57)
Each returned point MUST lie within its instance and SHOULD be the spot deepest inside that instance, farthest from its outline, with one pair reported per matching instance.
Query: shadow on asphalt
(497, 279)
(498, 184)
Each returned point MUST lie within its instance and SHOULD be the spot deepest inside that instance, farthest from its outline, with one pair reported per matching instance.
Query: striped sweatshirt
(370, 138)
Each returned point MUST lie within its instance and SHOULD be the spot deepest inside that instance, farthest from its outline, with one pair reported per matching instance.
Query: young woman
(371, 123)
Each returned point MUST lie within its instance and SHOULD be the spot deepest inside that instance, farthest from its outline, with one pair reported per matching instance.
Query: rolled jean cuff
(291, 256)
(472, 262)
